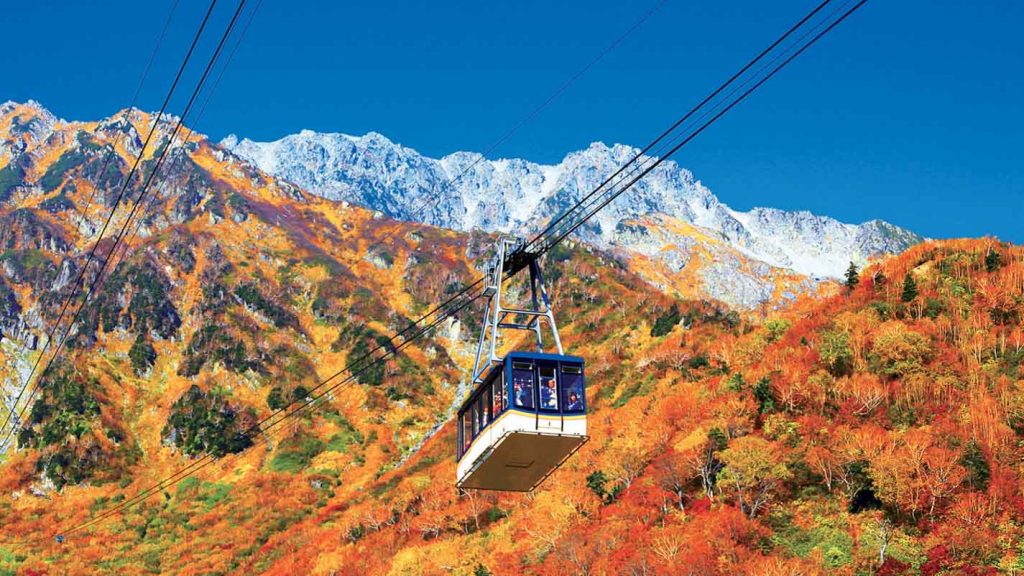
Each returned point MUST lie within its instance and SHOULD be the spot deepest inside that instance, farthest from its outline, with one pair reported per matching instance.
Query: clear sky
(912, 111)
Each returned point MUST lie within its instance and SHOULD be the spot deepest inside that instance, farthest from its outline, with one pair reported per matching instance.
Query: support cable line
(79, 280)
(83, 212)
(432, 199)
(563, 226)
(146, 185)
(258, 431)
(555, 233)
(183, 142)
(639, 162)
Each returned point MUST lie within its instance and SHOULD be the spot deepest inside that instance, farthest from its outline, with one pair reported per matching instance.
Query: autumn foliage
(876, 430)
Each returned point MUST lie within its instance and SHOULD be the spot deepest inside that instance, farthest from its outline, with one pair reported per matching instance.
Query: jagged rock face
(736, 257)
(28, 125)
(513, 195)
(10, 310)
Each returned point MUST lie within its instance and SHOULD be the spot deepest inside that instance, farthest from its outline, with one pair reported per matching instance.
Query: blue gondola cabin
(525, 418)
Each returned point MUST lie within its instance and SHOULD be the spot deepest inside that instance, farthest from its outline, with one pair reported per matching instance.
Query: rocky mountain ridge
(745, 259)
(464, 191)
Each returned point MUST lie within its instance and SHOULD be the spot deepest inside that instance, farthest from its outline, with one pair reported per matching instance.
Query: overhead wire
(92, 253)
(126, 115)
(140, 222)
(257, 430)
(184, 141)
(540, 107)
(646, 160)
(145, 188)
(696, 133)
(442, 315)
(146, 184)
(623, 171)
(413, 324)
(84, 210)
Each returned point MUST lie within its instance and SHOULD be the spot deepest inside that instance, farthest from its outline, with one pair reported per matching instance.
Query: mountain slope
(239, 294)
(512, 195)
(875, 431)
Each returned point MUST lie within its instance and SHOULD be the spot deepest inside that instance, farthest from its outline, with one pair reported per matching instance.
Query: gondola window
(522, 384)
(497, 392)
(548, 389)
(572, 389)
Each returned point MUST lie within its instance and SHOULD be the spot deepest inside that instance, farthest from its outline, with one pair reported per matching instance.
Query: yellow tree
(900, 350)
(548, 517)
(753, 471)
(628, 452)
(942, 474)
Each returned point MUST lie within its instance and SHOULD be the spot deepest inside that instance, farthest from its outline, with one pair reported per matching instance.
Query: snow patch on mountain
(464, 191)
(29, 125)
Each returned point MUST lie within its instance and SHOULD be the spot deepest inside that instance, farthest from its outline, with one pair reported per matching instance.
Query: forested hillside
(875, 429)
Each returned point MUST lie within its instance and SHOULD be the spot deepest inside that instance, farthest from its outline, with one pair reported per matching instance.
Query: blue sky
(911, 111)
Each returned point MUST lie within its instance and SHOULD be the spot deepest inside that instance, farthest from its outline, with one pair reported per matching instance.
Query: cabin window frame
(497, 395)
(568, 371)
(541, 386)
(523, 366)
(465, 431)
(458, 438)
(479, 412)
(505, 392)
(481, 408)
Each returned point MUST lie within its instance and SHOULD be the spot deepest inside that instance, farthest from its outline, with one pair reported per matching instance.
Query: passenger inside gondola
(548, 389)
(482, 405)
(497, 393)
(548, 394)
(572, 389)
(575, 404)
(522, 385)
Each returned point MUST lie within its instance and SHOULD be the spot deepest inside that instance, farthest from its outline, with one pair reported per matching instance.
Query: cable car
(526, 414)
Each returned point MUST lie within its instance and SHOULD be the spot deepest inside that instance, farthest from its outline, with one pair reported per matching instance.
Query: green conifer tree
(992, 261)
(142, 354)
(852, 277)
(909, 288)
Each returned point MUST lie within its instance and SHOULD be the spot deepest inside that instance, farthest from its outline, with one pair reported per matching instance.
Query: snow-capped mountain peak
(464, 191)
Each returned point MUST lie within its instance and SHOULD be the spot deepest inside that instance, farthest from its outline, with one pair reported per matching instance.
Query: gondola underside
(519, 461)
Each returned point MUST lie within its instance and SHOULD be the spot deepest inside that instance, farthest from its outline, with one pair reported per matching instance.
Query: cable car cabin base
(520, 461)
